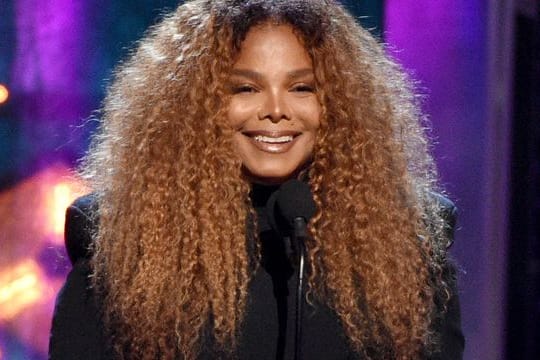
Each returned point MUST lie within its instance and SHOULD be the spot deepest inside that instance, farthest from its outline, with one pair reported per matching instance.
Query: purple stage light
(50, 76)
(446, 44)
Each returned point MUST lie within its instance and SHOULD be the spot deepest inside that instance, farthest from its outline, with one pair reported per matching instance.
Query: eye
(243, 88)
(303, 88)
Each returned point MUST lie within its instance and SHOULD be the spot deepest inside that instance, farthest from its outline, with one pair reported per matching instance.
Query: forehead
(272, 45)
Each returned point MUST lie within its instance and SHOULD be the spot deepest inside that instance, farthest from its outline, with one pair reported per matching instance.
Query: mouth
(274, 142)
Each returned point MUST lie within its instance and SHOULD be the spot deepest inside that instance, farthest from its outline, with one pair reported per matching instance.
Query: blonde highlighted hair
(171, 255)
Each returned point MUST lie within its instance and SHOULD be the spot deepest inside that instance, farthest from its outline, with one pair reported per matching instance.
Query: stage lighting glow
(20, 288)
(4, 94)
(63, 196)
(61, 191)
(32, 257)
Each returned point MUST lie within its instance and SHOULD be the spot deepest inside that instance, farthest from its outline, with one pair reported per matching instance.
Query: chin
(271, 176)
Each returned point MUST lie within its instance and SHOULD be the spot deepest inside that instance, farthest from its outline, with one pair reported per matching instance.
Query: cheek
(239, 112)
(244, 152)
(312, 114)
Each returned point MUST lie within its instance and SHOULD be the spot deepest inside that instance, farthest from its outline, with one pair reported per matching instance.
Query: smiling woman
(183, 255)
(274, 108)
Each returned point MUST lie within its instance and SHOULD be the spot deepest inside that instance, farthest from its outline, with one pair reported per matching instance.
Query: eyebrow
(259, 77)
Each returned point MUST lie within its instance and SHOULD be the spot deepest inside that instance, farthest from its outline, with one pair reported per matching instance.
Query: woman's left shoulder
(448, 211)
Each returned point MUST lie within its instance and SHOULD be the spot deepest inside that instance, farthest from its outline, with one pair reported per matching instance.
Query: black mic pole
(299, 236)
(295, 203)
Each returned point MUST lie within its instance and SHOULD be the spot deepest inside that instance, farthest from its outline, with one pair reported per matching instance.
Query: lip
(273, 148)
(271, 133)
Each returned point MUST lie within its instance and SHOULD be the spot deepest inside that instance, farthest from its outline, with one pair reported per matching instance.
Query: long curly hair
(172, 258)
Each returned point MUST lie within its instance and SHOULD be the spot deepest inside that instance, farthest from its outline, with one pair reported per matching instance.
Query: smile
(274, 142)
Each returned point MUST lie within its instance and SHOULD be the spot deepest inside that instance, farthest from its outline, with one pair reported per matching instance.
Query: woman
(221, 102)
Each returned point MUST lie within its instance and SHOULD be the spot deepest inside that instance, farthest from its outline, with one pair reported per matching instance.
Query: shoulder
(77, 330)
(448, 211)
(448, 322)
(81, 223)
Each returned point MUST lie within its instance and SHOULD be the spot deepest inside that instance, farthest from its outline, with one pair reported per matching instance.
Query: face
(274, 108)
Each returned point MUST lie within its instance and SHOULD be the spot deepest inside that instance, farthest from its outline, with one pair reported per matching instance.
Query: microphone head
(294, 200)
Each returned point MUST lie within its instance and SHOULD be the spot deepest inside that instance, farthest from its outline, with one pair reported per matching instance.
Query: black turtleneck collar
(259, 198)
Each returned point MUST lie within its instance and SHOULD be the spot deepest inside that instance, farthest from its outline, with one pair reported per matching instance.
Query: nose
(274, 108)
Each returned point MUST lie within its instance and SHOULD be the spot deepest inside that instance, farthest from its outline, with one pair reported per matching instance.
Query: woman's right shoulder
(81, 223)
(77, 329)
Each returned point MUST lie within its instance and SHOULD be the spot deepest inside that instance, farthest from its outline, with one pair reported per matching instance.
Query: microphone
(294, 202)
(288, 210)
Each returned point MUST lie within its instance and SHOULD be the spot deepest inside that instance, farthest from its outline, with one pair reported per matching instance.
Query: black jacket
(268, 329)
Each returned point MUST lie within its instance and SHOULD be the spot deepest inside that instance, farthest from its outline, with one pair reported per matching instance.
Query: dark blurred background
(476, 62)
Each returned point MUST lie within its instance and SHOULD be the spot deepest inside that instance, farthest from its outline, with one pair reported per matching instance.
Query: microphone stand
(299, 236)
(294, 201)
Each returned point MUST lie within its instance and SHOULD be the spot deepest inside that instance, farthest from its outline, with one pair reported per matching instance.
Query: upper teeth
(268, 139)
